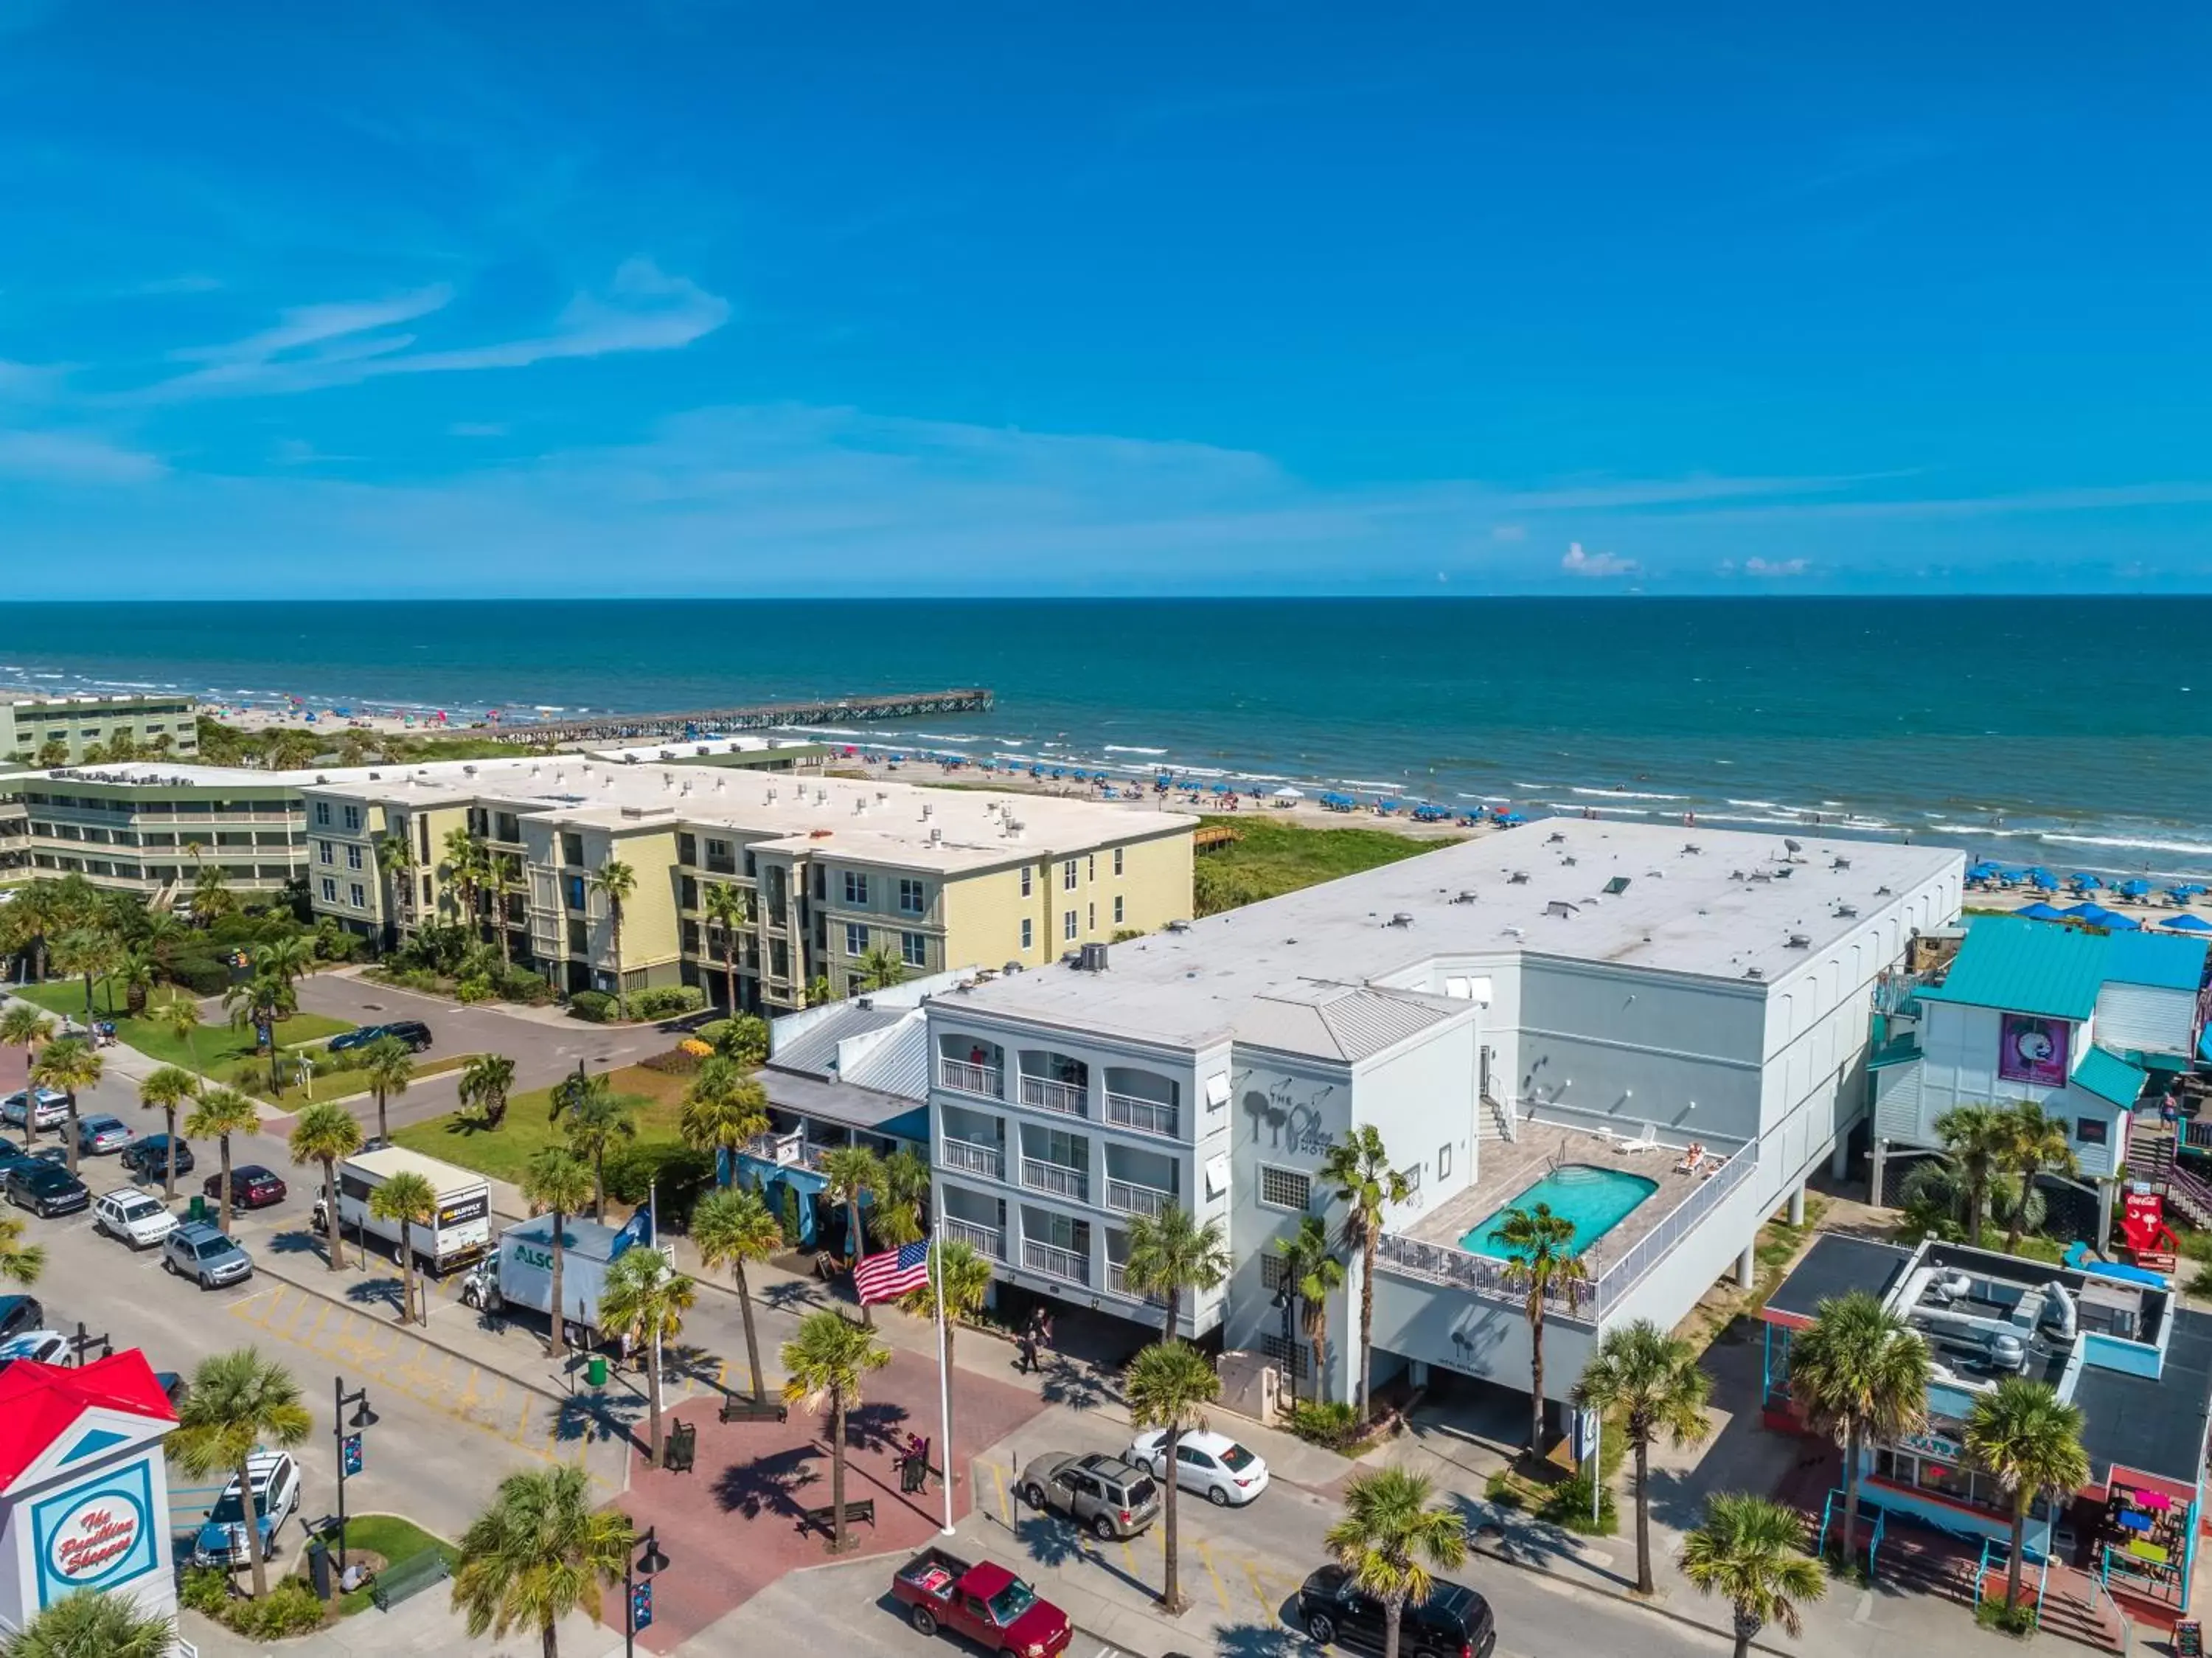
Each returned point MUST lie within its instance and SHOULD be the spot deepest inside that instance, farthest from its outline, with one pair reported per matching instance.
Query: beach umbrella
(2082, 882)
(1290, 793)
(2040, 913)
(2187, 923)
(2041, 880)
(2120, 924)
(2135, 888)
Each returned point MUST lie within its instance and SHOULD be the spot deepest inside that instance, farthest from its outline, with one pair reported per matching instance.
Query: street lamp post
(1290, 1353)
(637, 1597)
(349, 1447)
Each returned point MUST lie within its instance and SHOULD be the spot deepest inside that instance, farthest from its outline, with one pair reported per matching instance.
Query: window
(360, 898)
(1025, 880)
(856, 939)
(330, 890)
(2091, 1130)
(1271, 1272)
(914, 897)
(687, 893)
(722, 858)
(1294, 1354)
(572, 848)
(913, 949)
(324, 854)
(687, 850)
(1067, 876)
(856, 887)
(353, 855)
(1067, 925)
(1029, 931)
(322, 813)
(353, 817)
(1090, 866)
(1091, 920)
(1410, 1175)
(1117, 860)
(1285, 1188)
(1443, 1161)
(575, 892)
(1118, 916)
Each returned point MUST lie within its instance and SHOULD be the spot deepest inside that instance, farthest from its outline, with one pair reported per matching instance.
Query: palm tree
(616, 881)
(1544, 1261)
(88, 953)
(262, 1002)
(723, 1109)
(903, 1197)
(291, 958)
(853, 1173)
(1311, 1272)
(557, 1181)
(2035, 1144)
(467, 865)
(239, 1403)
(136, 971)
(1170, 1252)
(221, 1114)
(1358, 1169)
(166, 1090)
(387, 1067)
(2023, 1434)
(727, 910)
(1654, 1380)
(486, 1080)
(1165, 1385)
(823, 1364)
(645, 1299)
(66, 1066)
(31, 920)
(212, 899)
(1390, 1538)
(395, 861)
(1861, 1373)
(23, 1024)
(94, 1623)
(180, 1017)
(596, 1119)
(732, 1227)
(19, 1263)
(1976, 1139)
(326, 1133)
(1748, 1550)
(963, 1278)
(540, 1551)
(881, 967)
(408, 1200)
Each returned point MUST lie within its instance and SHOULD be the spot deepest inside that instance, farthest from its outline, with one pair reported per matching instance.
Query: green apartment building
(64, 730)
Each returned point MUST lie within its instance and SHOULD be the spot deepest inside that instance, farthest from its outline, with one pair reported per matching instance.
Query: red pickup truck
(983, 1602)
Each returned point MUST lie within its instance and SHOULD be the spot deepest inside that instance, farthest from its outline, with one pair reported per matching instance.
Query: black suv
(148, 1159)
(412, 1032)
(19, 1314)
(1452, 1623)
(45, 1189)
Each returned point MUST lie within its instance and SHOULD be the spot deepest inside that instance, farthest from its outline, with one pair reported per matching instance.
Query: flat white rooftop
(1721, 911)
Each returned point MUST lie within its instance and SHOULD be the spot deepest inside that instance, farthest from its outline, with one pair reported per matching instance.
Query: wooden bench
(738, 1408)
(681, 1448)
(856, 1513)
(409, 1577)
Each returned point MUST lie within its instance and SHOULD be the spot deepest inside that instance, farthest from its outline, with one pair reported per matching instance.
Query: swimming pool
(1596, 1199)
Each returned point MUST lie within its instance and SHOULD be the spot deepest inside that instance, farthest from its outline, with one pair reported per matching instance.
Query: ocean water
(2072, 733)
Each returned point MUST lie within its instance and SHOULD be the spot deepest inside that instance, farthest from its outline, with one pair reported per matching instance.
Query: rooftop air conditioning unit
(1560, 908)
(1466, 896)
(1754, 972)
(1800, 941)
(1691, 848)
(1847, 913)
(1403, 918)
(937, 838)
(1178, 926)
(1518, 878)
(1094, 959)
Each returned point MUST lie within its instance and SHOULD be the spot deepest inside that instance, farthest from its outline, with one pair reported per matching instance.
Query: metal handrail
(986, 1240)
(1129, 1198)
(1045, 1093)
(974, 1156)
(1058, 1179)
(1146, 1116)
(965, 1077)
(1052, 1259)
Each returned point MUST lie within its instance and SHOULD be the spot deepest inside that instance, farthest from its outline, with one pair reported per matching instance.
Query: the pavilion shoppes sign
(96, 1536)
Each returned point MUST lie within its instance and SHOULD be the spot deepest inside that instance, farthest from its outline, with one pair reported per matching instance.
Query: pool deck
(1508, 1167)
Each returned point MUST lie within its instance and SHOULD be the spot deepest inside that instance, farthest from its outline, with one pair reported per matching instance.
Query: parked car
(254, 1185)
(981, 1600)
(1452, 1623)
(19, 1314)
(148, 1158)
(221, 1539)
(46, 1346)
(174, 1384)
(412, 1032)
(102, 1134)
(1213, 1464)
(1101, 1492)
(52, 1108)
(57, 1155)
(200, 1252)
(45, 1189)
(129, 1214)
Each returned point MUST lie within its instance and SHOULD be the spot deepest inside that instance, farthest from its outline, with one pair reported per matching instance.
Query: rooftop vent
(1403, 918)
(1554, 837)
(1785, 872)
(1754, 972)
(1800, 941)
(469, 770)
(1178, 926)
(928, 809)
(1560, 908)
(1839, 863)
(937, 838)
(1847, 913)
(1882, 892)
(1466, 896)
(1515, 932)
(1566, 864)
(1518, 878)
(866, 1004)
(1012, 967)
(770, 801)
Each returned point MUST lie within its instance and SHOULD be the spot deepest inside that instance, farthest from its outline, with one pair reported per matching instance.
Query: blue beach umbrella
(2082, 882)
(2135, 888)
(2187, 923)
(2120, 924)
(2040, 913)
(2041, 880)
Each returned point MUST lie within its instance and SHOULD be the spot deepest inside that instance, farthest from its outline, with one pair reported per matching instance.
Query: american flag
(894, 1273)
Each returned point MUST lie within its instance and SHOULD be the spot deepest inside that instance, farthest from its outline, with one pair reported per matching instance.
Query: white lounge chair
(1693, 1156)
(1647, 1140)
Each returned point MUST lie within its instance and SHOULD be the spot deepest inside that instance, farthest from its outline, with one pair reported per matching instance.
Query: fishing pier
(765, 717)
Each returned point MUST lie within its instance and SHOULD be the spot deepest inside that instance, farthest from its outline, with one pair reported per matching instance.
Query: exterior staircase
(2152, 1159)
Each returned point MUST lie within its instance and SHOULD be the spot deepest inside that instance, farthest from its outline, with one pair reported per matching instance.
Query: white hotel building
(1525, 1007)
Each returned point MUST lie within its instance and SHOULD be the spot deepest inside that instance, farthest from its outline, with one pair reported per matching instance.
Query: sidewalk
(424, 1627)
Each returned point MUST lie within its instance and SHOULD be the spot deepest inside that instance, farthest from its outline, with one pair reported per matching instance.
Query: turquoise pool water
(1596, 1199)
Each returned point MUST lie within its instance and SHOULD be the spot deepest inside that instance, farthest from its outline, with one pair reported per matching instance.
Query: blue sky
(554, 300)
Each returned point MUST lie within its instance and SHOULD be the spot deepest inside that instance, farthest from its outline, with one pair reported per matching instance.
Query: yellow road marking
(269, 1312)
(1220, 1592)
(1259, 1590)
(1129, 1556)
(1005, 1508)
(322, 1317)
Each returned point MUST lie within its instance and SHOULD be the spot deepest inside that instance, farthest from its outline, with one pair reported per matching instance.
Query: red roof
(40, 1402)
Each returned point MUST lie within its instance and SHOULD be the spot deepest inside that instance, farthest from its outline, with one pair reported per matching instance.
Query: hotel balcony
(1056, 1262)
(973, 1157)
(1126, 1198)
(1145, 1116)
(1044, 1093)
(1056, 1179)
(964, 1077)
(989, 1241)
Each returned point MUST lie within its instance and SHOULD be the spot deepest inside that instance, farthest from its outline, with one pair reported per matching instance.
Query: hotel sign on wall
(98, 1535)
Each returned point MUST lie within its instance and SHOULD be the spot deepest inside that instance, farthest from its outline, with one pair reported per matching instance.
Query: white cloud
(1776, 566)
(74, 458)
(1596, 565)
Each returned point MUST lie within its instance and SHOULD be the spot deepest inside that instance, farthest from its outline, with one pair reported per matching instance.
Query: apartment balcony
(1057, 1179)
(1127, 1197)
(1145, 1116)
(964, 1077)
(1068, 1098)
(986, 1240)
(1056, 1262)
(790, 1149)
(974, 1158)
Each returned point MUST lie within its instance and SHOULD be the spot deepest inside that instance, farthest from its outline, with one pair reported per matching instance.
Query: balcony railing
(788, 1150)
(1127, 1197)
(962, 1077)
(975, 1157)
(1069, 1099)
(1117, 1278)
(1056, 1262)
(1057, 1179)
(984, 1240)
(1145, 1116)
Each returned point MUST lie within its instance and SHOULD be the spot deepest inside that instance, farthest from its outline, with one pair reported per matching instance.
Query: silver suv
(1101, 1492)
(200, 1252)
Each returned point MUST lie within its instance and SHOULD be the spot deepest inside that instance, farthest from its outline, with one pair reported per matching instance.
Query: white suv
(141, 1221)
(221, 1539)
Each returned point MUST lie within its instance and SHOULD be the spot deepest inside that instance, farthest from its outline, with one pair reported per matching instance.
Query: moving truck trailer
(520, 1272)
(459, 1229)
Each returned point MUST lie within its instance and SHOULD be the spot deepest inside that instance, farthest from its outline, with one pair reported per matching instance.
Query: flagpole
(944, 1381)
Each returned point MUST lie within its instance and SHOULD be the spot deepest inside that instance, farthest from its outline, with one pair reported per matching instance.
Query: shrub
(676, 1172)
(412, 978)
(476, 990)
(744, 1037)
(787, 1216)
(1335, 1425)
(289, 1608)
(1568, 1504)
(594, 1007)
(678, 1061)
(206, 1589)
(667, 1001)
(203, 975)
(520, 985)
(1502, 1492)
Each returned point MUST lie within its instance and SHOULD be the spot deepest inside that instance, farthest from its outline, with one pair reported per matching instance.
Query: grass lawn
(504, 1152)
(214, 1047)
(390, 1536)
(1271, 857)
(345, 1084)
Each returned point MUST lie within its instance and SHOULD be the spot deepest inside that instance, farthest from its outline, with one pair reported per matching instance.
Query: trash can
(198, 1212)
(595, 1370)
(318, 1569)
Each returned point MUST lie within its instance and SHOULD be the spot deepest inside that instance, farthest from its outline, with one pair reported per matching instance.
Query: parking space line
(1005, 1508)
(1220, 1592)
(322, 1317)
(1260, 1591)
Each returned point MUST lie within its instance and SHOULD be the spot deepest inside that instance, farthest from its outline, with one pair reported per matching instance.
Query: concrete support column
(2104, 1191)
(1839, 1165)
(1874, 1181)
(1797, 1204)
(1747, 1268)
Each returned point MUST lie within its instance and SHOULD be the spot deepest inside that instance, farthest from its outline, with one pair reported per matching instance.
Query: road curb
(1628, 1598)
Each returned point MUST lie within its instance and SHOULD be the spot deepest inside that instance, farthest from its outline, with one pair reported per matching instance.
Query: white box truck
(520, 1272)
(459, 1231)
